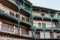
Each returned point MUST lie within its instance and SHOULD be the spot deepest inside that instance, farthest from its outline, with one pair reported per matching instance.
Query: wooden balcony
(25, 32)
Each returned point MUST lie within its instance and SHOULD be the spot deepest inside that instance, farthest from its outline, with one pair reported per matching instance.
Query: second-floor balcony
(47, 27)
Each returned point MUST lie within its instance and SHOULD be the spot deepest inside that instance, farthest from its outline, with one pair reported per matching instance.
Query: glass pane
(7, 28)
(47, 35)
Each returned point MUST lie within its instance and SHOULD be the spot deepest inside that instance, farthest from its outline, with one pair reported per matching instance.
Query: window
(27, 6)
(16, 30)
(38, 34)
(47, 34)
(23, 18)
(17, 15)
(11, 13)
(58, 36)
(52, 34)
(41, 34)
(20, 1)
(7, 27)
(10, 28)
(4, 27)
(39, 24)
(43, 24)
(25, 32)
(52, 15)
(59, 16)
(42, 14)
(27, 19)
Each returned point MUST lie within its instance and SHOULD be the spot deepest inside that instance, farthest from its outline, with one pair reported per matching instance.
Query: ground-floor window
(6, 27)
(24, 31)
(41, 34)
(47, 34)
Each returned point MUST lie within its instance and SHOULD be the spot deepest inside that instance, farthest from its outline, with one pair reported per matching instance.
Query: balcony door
(24, 31)
(37, 34)
(43, 25)
(39, 25)
(7, 28)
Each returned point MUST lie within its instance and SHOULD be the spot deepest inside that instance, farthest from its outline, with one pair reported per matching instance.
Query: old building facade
(19, 20)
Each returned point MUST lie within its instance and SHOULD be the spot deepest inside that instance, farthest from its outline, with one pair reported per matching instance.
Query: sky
(53, 4)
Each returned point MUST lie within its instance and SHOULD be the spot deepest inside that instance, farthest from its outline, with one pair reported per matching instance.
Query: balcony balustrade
(47, 26)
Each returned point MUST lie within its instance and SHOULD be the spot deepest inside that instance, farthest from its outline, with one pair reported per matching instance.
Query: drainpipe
(44, 34)
(34, 35)
(19, 21)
